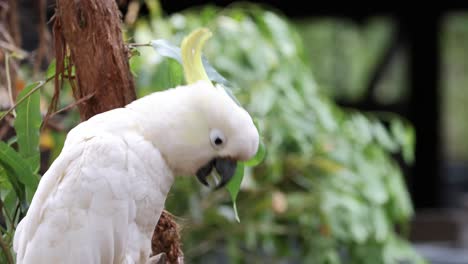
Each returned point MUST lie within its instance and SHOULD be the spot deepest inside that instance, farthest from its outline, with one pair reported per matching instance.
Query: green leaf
(169, 75)
(17, 186)
(9, 206)
(234, 206)
(383, 138)
(380, 223)
(233, 186)
(4, 181)
(51, 69)
(404, 135)
(27, 126)
(14, 163)
(29, 196)
(135, 52)
(12, 140)
(154, 8)
(167, 49)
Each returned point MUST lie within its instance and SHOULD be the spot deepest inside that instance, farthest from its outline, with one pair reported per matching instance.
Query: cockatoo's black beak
(225, 168)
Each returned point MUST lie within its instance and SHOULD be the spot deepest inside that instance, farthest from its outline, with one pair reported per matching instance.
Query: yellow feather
(191, 50)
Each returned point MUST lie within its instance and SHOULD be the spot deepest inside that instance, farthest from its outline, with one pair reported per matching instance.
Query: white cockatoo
(102, 197)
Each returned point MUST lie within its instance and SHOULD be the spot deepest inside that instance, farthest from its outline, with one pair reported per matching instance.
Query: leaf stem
(39, 85)
(139, 44)
(7, 251)
(16, 52)
(6, 213)
(14, 215)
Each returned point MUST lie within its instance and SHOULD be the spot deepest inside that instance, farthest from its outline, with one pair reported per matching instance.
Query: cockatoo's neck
(168, 121)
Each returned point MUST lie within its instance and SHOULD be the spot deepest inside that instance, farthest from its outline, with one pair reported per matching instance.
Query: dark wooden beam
(422, 37)
(348, 9)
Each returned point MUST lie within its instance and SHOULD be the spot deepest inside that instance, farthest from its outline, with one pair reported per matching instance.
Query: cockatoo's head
(200, 128)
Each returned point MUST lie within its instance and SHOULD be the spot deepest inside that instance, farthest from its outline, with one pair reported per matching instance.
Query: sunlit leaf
(405, 136)
(9, 207)
(13, 162)
(4, 181)
(12, 140)
(154, 8)
(51, 69)
(170, 75)
(381, 224)
(383, 138)
(234, 184)
(167, 49)
(27, 125)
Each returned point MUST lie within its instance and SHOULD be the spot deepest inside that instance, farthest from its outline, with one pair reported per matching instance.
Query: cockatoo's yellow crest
(191, 50)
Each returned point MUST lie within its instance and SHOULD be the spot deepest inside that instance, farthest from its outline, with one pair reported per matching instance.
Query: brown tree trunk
(91, 29)
(87, 34)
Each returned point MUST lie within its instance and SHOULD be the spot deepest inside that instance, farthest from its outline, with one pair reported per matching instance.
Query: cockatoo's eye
(217, 139)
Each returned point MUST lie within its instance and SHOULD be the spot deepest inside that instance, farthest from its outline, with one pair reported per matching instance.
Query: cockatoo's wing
(90, 207)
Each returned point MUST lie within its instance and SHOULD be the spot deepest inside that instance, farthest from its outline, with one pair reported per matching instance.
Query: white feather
(100, 200)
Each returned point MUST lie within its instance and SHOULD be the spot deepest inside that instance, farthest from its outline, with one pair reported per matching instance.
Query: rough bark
(91, 30)
(88, 36)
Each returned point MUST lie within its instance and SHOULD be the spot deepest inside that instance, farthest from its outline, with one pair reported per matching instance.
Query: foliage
(19, 168)
(328, 191)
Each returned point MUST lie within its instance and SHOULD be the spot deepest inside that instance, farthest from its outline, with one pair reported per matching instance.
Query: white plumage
(102, 197)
